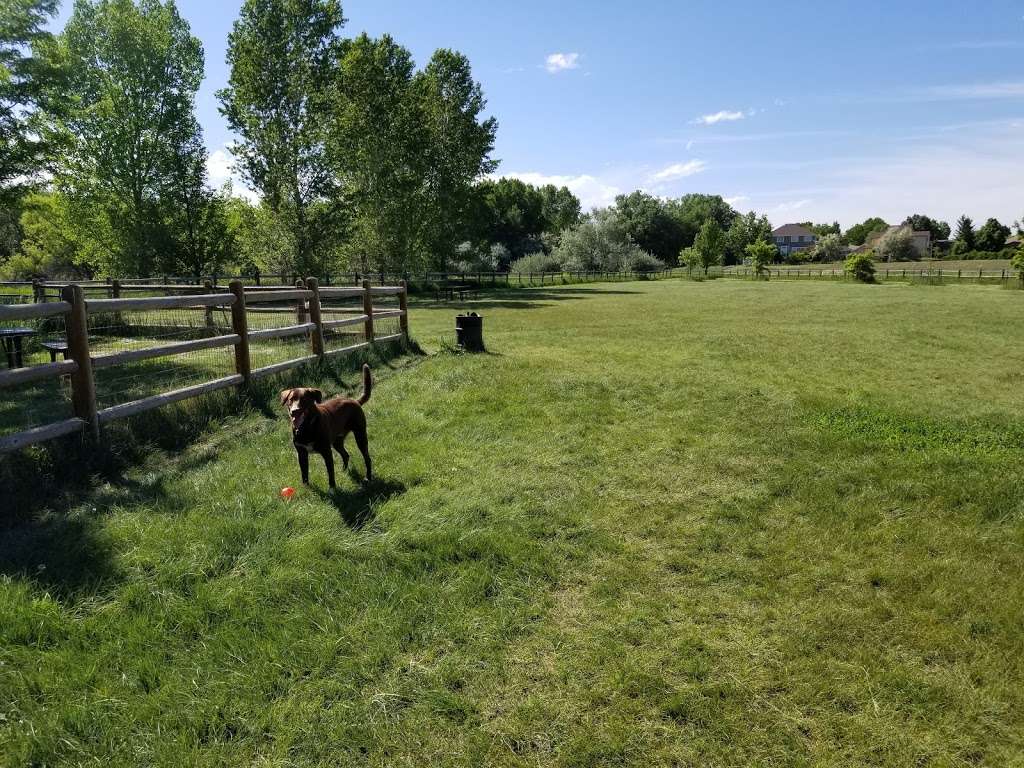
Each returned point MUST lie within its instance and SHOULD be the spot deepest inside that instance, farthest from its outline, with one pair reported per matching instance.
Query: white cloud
(793, 205)
(995, 90)
(559, 62)
(734, 201)
(724, 115)
(592, 191)
(219, 171)
(218, 167)
(679, 171)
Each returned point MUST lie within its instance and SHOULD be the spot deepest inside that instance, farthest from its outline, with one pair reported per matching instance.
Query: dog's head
(299, 403)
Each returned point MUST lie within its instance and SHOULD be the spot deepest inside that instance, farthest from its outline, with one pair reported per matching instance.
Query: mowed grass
(667, 523)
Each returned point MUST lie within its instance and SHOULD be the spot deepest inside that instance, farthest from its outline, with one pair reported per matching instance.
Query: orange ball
(287, 493)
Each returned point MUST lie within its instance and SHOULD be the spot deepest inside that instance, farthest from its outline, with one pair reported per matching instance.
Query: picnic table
(450, 290)
(11, 338)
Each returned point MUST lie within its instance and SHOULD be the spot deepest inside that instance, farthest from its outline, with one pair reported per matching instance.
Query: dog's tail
(367, 385)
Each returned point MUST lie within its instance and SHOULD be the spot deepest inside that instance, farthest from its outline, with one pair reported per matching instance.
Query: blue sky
(800, 110)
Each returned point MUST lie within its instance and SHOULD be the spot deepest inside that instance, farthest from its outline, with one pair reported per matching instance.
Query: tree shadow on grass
(522, 298)
(69, 554)
(67, 557)
(357, 504)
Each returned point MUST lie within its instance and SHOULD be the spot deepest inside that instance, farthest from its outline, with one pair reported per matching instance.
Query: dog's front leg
(329, 461)
(303, 464)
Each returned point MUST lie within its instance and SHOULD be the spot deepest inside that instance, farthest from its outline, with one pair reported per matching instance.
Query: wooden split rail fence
(81, 364)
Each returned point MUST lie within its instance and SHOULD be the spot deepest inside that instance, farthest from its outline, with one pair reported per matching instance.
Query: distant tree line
(642, 232)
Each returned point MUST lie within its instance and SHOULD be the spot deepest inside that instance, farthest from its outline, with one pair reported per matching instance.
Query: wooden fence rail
(76, 308)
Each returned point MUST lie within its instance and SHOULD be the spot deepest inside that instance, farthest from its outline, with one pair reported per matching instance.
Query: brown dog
(318, 426)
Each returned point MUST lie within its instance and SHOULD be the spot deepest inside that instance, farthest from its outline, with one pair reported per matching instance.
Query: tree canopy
(29, 80)
(282, 56)
(965, 235)
(859, 233)
(992, 236)
(132, 162)
(920, 223)
(709, 245)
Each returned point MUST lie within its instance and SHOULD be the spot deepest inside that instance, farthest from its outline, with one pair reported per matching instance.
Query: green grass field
(668, 523)
(946, 265)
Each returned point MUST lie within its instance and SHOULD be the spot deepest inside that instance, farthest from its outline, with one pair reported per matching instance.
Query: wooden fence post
(300, 305)
(208, 288)
(403, 305)
(368, 310)
(317, 336)
(83, 385)
(240, 325)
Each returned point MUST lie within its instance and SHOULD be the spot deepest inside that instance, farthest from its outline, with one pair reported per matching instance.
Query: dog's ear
(316, 394)
(285, 394)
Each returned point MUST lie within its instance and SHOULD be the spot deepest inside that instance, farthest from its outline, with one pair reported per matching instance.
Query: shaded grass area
(717, 523)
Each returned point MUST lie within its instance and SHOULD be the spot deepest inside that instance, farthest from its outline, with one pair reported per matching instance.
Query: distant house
(790, 238)
(921, 239)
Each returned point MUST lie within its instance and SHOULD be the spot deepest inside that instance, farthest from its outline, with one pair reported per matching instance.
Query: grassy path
(661, 524)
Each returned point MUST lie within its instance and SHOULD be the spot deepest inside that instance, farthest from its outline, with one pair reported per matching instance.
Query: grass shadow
(70, 555)
(526, 297)
(67, 557)
(357, 504)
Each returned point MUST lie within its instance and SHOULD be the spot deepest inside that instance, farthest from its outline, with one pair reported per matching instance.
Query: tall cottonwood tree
(133, 70)
(407, 148)
(283, 56)
(26, 80)
(458, 149)
(377, 145)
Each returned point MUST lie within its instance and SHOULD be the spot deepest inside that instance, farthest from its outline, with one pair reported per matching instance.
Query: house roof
(792, 230)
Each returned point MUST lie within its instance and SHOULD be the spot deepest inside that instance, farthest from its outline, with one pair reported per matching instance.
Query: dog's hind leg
(339, 446)
(364, 448)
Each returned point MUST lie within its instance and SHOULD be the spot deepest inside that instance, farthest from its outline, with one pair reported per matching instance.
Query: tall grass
(667, 523)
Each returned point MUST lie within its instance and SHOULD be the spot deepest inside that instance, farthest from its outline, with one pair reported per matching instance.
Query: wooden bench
(55, 346)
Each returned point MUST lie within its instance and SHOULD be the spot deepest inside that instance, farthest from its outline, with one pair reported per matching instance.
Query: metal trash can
(469, 332)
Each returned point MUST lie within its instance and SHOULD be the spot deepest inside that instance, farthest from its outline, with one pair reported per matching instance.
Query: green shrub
(599, 242)
(897, 246)
(644, 262)
(1018, 262)
(861, 266)
(976, 255)
(761, 253)
(800, 257)
(828, 248)
(536, 262)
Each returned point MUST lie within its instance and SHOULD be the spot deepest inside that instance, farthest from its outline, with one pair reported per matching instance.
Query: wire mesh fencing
(125, 356)
(267, 319)
(111, 333)
(26, 344)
